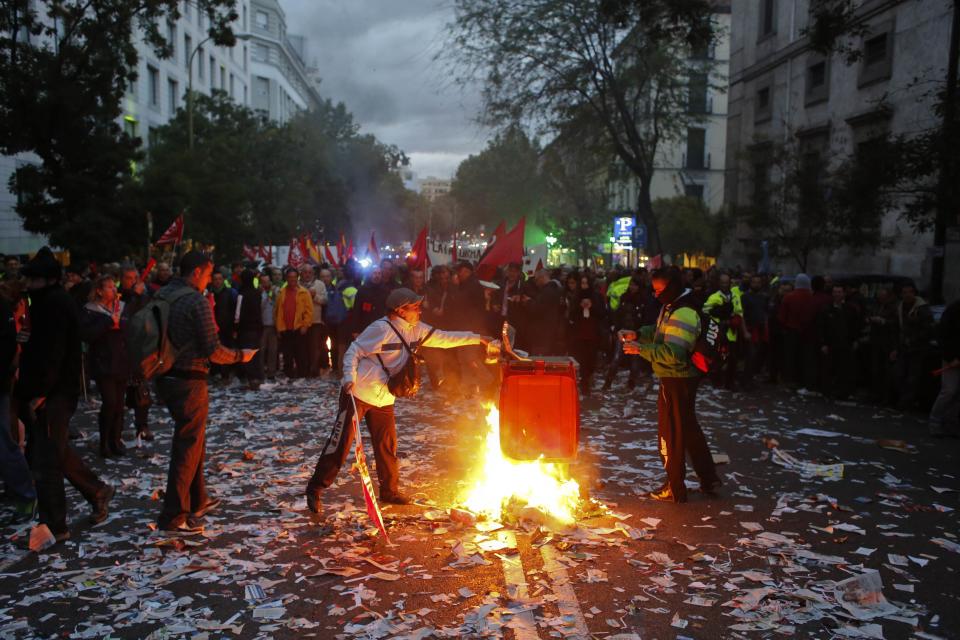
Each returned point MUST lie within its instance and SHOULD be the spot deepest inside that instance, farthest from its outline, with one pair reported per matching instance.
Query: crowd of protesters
(810, 333)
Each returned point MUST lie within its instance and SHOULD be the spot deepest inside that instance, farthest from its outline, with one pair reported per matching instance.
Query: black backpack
(406, 382)
(709, 351)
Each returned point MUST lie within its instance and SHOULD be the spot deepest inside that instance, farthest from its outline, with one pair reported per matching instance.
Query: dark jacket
(108, 356)
(756, 306)
(589, 328)
(949, 331)
(915, 326)
(466, 307)
(224, 305)
(134, 301)
(8, 346)
(546, 320)
(370, 305)
(251, 316)
(50, 362)
(838, 327)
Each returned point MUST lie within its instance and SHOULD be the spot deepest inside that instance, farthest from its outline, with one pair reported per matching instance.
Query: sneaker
(210, 505)
(188, 525)
(313, 502)
(665, 494)
(101, 504)
(395, 498)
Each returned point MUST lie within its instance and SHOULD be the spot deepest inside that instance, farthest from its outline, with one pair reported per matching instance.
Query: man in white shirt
(375, 355)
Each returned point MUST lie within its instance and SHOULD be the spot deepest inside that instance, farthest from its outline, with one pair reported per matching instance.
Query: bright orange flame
(542, 485)
(329, 344)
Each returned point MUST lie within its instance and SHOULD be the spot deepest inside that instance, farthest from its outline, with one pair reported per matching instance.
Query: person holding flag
(378, 354)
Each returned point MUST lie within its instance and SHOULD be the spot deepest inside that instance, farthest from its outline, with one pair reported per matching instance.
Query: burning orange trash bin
(540, 409)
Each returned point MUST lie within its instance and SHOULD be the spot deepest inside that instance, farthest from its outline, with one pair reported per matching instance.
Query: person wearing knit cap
(380, 351)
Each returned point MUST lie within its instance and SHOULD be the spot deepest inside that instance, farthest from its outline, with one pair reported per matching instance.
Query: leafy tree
(502, 182)
(806, 203)
(66, 65)
(575, 177)
(687, 226)
(625, 62)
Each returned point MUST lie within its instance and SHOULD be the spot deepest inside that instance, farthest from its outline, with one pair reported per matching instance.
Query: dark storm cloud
(377, 56)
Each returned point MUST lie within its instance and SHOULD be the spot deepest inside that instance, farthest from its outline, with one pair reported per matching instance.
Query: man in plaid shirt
(193, 333)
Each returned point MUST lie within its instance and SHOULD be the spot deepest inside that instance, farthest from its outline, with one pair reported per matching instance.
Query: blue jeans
(13, 465)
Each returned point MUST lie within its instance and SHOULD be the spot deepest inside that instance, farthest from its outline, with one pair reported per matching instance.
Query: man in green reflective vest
(726, 307)
(668, 346)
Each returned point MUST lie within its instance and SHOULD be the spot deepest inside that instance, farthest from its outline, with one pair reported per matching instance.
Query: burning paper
(540, 486)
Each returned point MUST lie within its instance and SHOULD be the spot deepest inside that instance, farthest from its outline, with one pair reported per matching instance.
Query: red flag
(174, 234)
(350, 250)
(249, 253)
(497, 233)
(295, 259)
(373, 252)
(507, 249)
(329, 255)
(151, 263)
(419, 259)
(360, 464)
(656, 262)
(265, 254)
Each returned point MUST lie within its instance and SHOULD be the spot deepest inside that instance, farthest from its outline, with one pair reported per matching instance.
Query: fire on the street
(500, 483)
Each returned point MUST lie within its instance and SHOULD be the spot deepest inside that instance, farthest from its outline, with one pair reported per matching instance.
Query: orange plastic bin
(540, 409)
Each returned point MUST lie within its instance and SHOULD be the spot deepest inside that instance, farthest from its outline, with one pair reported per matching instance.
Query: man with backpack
(383, 353)
(192, 334)
(670, 346)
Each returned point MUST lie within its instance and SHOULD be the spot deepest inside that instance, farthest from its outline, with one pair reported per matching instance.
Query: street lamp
(241, 36)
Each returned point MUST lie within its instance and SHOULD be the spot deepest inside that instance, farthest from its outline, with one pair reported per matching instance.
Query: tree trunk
(647, 217)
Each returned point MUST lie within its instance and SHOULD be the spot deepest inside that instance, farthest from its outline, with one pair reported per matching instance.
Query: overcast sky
(377, 56)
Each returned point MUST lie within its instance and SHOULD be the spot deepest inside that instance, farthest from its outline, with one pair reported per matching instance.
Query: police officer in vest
(668, 346)
(376, 354)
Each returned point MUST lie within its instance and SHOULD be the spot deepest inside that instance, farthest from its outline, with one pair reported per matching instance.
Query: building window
(877, 61)
(260, 52)
(223, 78)
(243, 24)
(696, 147)
(768, 18)
(153, 85)
(697, 93)
(817, 84)
(130, 126)
(213, 73)
(172, 38)
(200, 73)
(693, 191)
(173, 94)
(244, 57)
(187, 50)
(763, 105)
(263, 19)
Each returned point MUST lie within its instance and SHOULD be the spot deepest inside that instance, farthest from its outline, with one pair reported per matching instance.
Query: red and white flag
(360, 464)
(329, 255)
(174, 234)
(249, 253)
(296, 257)
(265, 254)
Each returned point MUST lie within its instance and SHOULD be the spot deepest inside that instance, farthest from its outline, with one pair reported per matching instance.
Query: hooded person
(668, 347)
(380, 352)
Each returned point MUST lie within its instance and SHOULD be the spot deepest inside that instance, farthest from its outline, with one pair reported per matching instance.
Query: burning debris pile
(511, 490)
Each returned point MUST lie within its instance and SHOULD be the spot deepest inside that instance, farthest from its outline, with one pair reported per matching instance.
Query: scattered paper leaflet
(806, 469)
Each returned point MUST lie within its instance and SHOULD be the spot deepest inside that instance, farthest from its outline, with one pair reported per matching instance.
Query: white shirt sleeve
(441, 339)
(368, 343)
